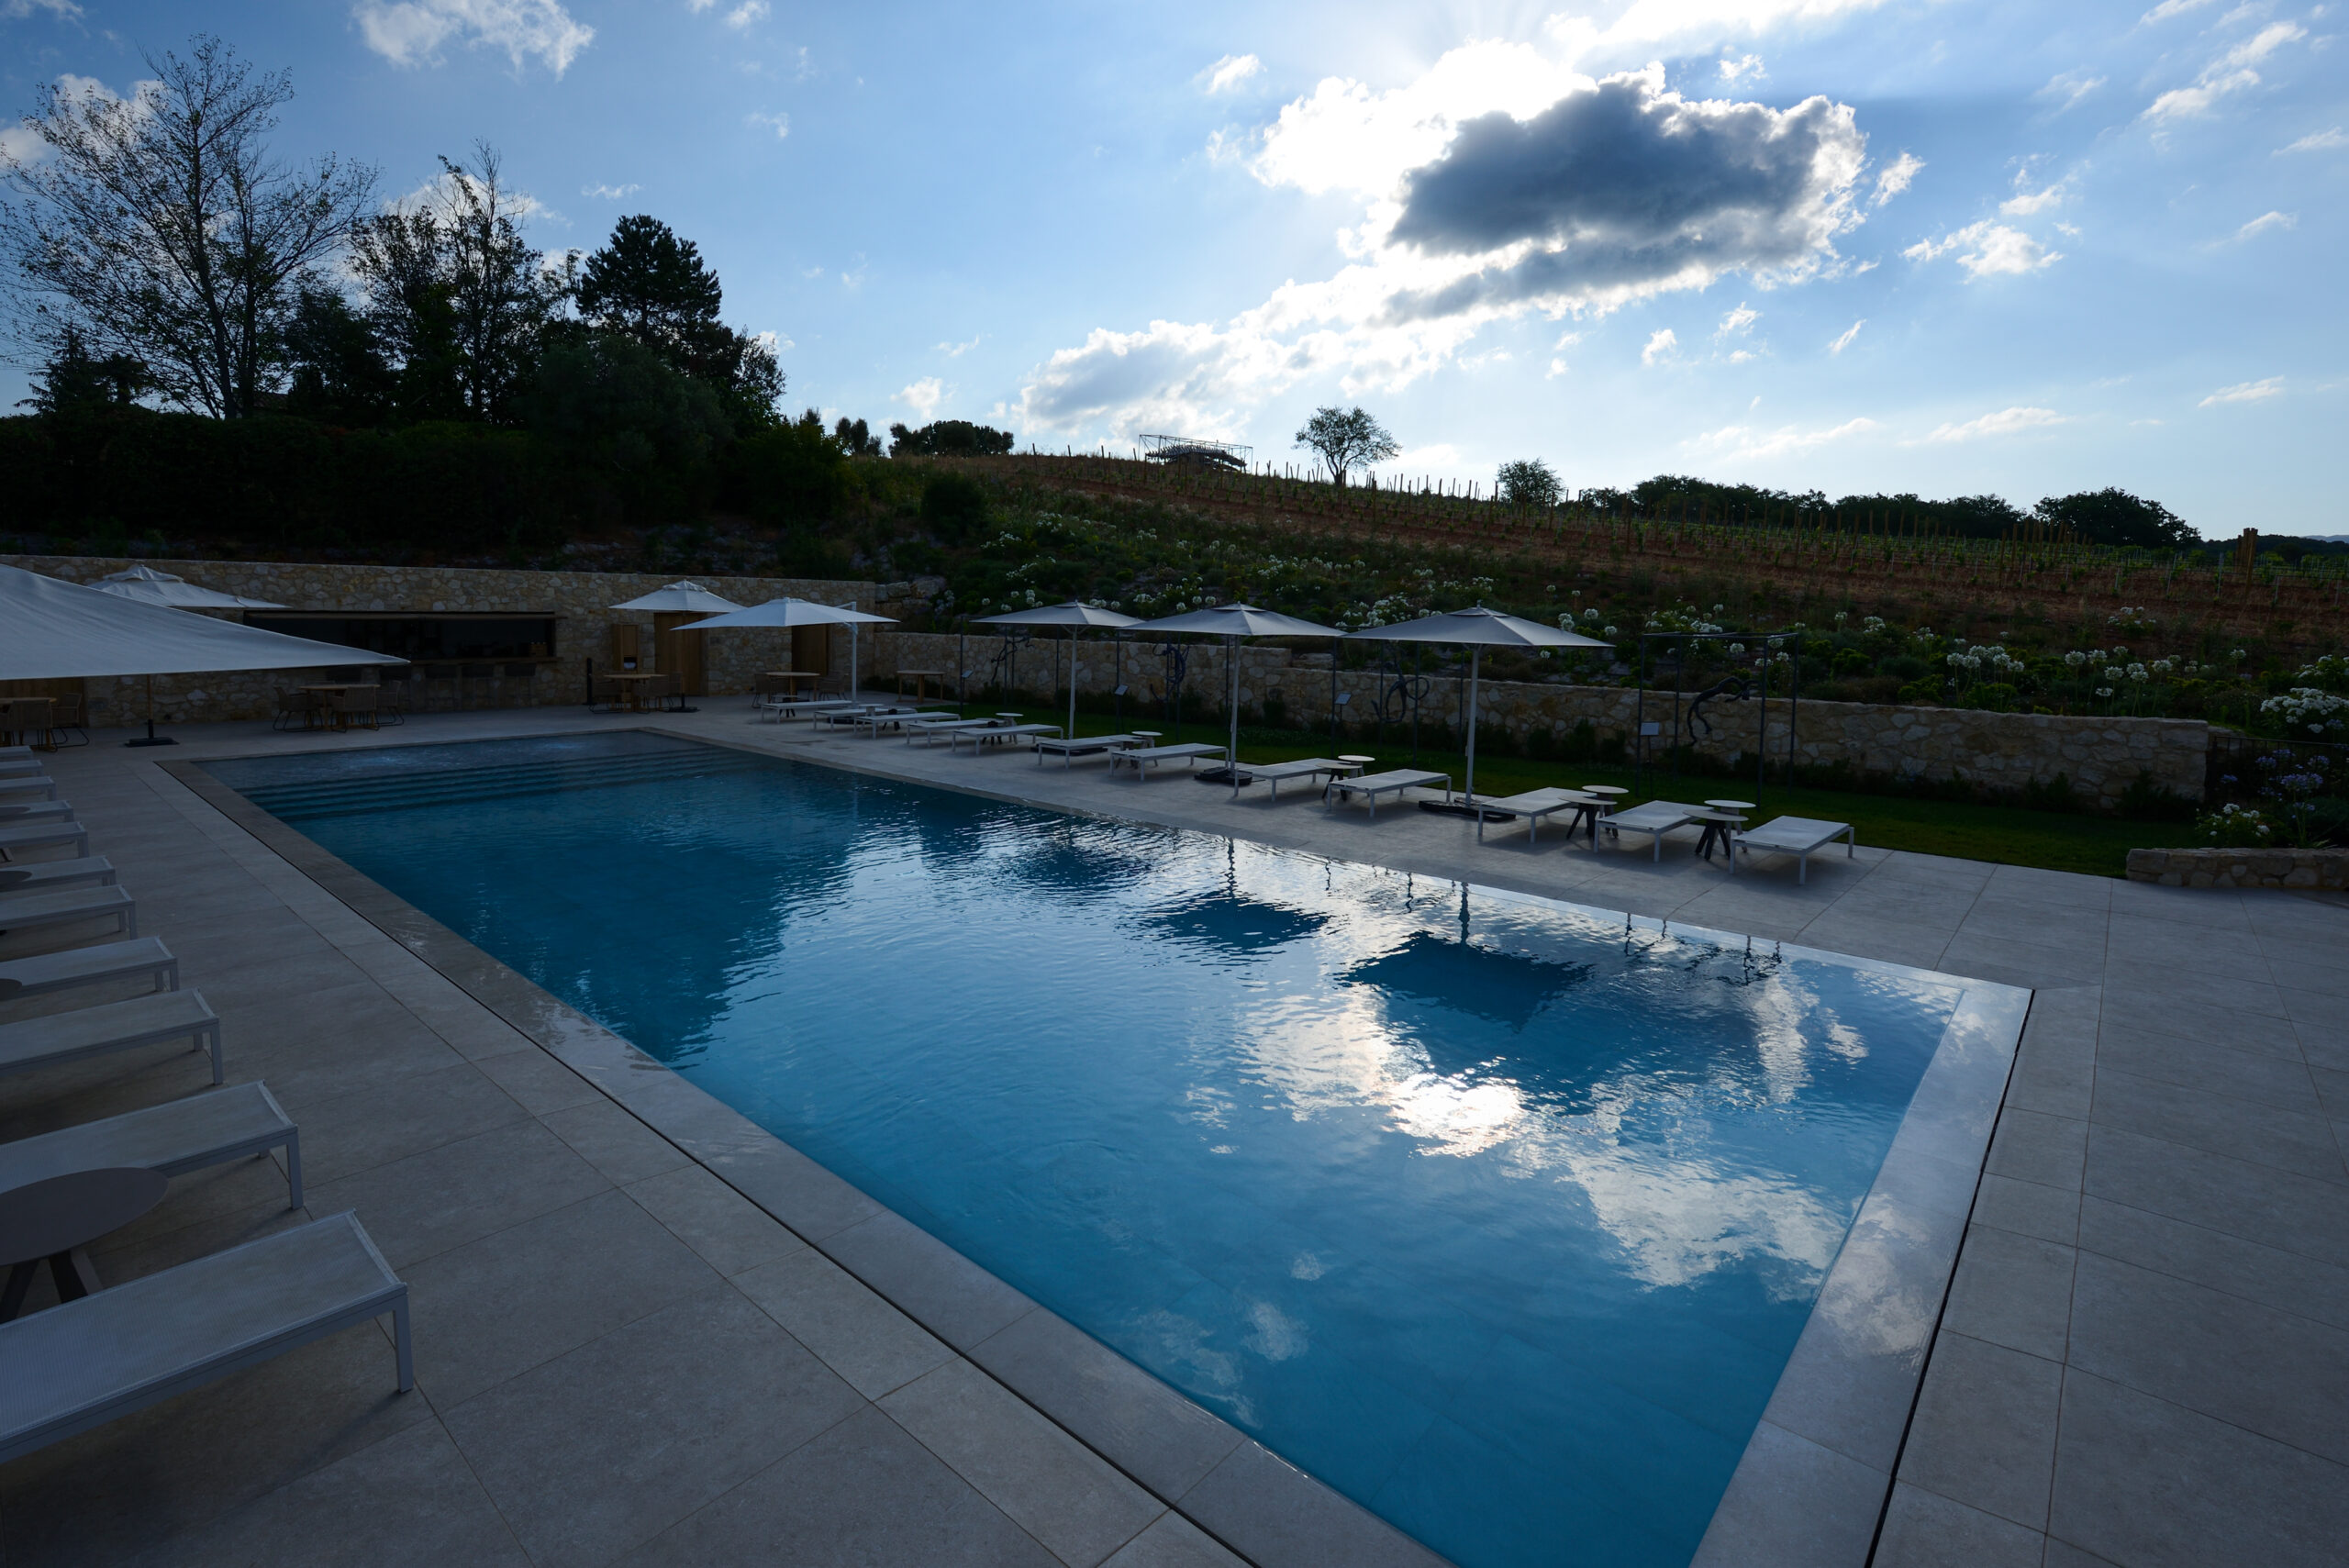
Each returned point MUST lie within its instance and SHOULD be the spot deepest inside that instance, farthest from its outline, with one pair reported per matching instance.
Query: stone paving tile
(2027, 1208)
(2256, 1201)
(1984, 1433)
(1173, 1542)
(863, 1339)
(728, 1231)
(600, 1450)
(2287, 1282)
(2291, 1141)
(2145, 1482)
(2282, 1081)
(864, 1495)
(418, 1111)
(2031, 1146)
(1268, 1512)
(614, 1142)
(2012, 1290)
(936, 1285)
(499, 1305)
(444, 1197)
(1923, 1530)
(1041, 1478)
(2278, 1374)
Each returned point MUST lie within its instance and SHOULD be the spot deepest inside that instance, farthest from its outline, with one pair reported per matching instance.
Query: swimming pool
(1500, 1217)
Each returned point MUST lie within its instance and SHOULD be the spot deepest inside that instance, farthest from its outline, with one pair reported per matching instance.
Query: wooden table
(632, 685)
(921, 679)
(794, 678)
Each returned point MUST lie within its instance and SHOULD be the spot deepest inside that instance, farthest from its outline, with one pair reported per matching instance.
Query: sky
(1940, 246)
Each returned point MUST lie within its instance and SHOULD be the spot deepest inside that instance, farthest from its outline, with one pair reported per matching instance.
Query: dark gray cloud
(1627, 189)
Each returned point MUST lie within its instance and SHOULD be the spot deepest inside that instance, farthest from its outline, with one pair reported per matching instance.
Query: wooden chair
(30, 721)
(355, 704)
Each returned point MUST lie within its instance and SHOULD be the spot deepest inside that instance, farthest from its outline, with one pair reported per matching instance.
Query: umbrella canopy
(1073, 616)
(51, 631)
(1479, 628)
(1232, 622)
(676, 597)
(796, 612)
(150, 586)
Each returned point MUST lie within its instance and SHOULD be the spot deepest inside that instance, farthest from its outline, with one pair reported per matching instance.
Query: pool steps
(449, 786)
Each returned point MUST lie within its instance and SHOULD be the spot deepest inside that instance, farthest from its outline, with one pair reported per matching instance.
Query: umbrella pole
(1475, 656)
(152, 739)
(1232, 757)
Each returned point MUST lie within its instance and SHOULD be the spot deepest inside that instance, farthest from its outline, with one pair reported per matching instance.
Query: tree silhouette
(1346, 440)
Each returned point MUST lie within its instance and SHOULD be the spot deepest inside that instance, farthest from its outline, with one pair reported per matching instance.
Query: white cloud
(923, 398)
(2067, 88)
(2266, 221)
(21, 145)
(2231, 72)
(1663, 344)
(1229, 73)
(1844, 342)
(773, 342)
(1740, 320)
(1896, 177)
(2245, 392)
(748, 14)
(1498, 183)
(440, 194)
(2027, 202)
(2005, 422)
(410, 32)
(610, 193)
(17, 10)
(2169, 8)
(1987, 250)
(699, 6)
(2318, 141)
(779, 124)
(1742, 68)
(1738, 443)
(956, 351)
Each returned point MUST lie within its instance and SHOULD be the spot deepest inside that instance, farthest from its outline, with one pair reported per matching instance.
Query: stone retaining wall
(580, 600)
(2241, 868)
(2002, 752)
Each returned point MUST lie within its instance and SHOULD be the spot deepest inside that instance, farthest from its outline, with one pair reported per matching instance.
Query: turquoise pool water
(1500, 1217)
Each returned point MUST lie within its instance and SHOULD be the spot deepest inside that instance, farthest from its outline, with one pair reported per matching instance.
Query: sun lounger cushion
(190, 1134)
(34, 811)
(89, 965)
(114, 1351)
(1395, 780)
(1532, 804)
(1655, 818)
(159, 1015)
(31, 911)
(1797, 836)
(982, 733)
(1140, 758)
(24, 788)
(16, 838)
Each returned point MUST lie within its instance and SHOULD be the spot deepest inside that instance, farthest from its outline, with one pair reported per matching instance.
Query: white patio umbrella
(51, 631)
(1479, 628)
(1073, 616)
(150, 586)
(681, 596)
(1232, 622)
(778, 613)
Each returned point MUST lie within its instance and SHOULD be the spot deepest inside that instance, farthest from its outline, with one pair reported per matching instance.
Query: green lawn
(2097, 846)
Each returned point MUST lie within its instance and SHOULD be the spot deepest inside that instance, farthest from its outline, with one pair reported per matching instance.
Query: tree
(74, 379)
(160, 228)
(1528, 484)
(651, 286)
(948, 437)
(856, 439)
(340, 372)
(2112, 515)
(459, 298)
(626, 416)
(1346, 440)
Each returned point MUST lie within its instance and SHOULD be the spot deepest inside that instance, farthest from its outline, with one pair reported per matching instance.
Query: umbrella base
(152, 741)
(1461, 808)
(1223, 776)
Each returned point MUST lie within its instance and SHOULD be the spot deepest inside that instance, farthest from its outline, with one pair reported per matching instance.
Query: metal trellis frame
(1679, 641)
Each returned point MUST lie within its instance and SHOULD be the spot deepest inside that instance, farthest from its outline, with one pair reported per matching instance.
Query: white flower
(2104, 691)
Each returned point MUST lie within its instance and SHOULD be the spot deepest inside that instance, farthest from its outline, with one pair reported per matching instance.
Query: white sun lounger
(38, 911)
(949, 727)
(88, 966)
(15, 838)
(17, 754)
(1142, 758)
(23, 788)
(1534, 806)
(1069, 747)
(32, 812)
(1655, 818)
(779, 709)
(881, 719)
(193, 1133)
(1393, 782)
(22, 766)
(49, 875)
(1797, 836)
(159, 1015)
(984, 733)
(114, 1351)
(1275, 773)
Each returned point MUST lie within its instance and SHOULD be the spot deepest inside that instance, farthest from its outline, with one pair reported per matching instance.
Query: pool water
(1498, 1215)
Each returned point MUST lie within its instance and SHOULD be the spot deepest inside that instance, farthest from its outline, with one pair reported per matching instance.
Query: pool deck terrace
(2143, 1358)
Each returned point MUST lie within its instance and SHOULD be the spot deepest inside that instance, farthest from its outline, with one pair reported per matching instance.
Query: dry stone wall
(2100, 758)
(2241, 868)
(580, 600)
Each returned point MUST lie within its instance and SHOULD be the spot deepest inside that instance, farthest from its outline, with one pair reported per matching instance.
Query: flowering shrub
(2236, 828)
(2310, 710)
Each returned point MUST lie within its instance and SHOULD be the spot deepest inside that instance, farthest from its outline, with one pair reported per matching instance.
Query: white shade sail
(153, 587)
(1237, 620)
(52, 631)
(786, 613)
(677, 596)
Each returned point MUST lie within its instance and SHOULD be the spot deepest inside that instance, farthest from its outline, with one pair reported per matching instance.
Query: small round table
(1356, 758)
(1725, 818)
(1148, 737)
(53, 1220)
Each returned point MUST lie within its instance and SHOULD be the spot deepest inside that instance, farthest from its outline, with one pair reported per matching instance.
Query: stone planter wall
(2001, 751)
(581, 600)
(2241, 868)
